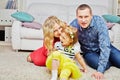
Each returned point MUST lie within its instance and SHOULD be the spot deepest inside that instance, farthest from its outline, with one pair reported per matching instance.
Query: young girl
(61, 62)
(51, 29)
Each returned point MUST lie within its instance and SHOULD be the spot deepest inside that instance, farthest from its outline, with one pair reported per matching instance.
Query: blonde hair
(48, 31)
(71, 33)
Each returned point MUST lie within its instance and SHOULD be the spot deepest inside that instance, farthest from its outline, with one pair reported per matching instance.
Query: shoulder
(97, 18)
(74, 23)
(74, 20)
(77, 45)
(99, 23)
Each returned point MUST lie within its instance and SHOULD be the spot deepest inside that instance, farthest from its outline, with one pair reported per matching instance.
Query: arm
(79, 58)
(81, 61)
(104, 45)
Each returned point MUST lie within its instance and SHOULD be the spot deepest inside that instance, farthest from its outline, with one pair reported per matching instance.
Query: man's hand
(98, 75)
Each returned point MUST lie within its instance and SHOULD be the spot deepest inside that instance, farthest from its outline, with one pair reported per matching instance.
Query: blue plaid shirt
(95, 38)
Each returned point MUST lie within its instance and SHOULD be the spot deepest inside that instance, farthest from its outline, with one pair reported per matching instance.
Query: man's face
(84, 17)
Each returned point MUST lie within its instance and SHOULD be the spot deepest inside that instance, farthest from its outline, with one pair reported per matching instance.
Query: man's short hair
(84, 6)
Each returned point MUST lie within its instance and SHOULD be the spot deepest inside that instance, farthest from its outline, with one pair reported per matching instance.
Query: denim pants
(92, 58)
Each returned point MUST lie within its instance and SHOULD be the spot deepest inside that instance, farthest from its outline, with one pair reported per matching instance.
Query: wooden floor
(13, 65)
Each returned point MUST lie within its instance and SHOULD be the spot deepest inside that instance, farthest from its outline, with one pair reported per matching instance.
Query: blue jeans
(92, 58)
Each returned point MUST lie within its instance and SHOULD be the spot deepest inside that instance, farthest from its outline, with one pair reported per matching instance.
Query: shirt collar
(92, 22)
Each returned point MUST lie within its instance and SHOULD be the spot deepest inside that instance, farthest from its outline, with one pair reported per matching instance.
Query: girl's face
(57, 30)
(65, 40)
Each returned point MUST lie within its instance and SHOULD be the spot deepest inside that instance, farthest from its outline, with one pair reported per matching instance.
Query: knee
(65, 74)
(117, 64)
(115, 60)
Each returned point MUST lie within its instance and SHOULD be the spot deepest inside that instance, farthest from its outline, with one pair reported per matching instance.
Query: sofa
(30, 39)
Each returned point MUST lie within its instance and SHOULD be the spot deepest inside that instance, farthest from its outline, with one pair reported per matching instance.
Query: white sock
(54, 75)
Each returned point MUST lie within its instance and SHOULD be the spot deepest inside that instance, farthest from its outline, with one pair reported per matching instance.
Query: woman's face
(57, 30)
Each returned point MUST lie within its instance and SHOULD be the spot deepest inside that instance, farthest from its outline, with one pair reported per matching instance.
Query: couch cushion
(33, 25)
(23, 16)
(111, 18)
(29, 33)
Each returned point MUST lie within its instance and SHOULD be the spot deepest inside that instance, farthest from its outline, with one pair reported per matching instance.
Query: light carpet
(13, 66)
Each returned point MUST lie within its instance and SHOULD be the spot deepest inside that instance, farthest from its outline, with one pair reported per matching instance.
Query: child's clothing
(69, 51)
(67, 67)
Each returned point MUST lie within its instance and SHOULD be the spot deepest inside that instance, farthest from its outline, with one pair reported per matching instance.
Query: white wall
(104, 3)
(3, 4)
(72, 2)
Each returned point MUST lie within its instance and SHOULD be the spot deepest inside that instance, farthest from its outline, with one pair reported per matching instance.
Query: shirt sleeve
(77, 47)
(74, 23)
(104, 44)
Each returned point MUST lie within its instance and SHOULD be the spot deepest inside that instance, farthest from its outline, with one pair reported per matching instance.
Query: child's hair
(48, 30)
(71, 33)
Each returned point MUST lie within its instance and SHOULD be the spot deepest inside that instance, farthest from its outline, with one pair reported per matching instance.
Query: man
(94, 40)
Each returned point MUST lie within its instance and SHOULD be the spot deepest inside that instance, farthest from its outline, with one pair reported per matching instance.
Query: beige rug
(13, 66)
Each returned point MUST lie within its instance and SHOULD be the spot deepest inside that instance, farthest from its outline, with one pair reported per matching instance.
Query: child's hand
(83, 70)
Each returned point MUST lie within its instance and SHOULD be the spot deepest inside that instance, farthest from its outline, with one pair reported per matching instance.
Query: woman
(51, 28)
